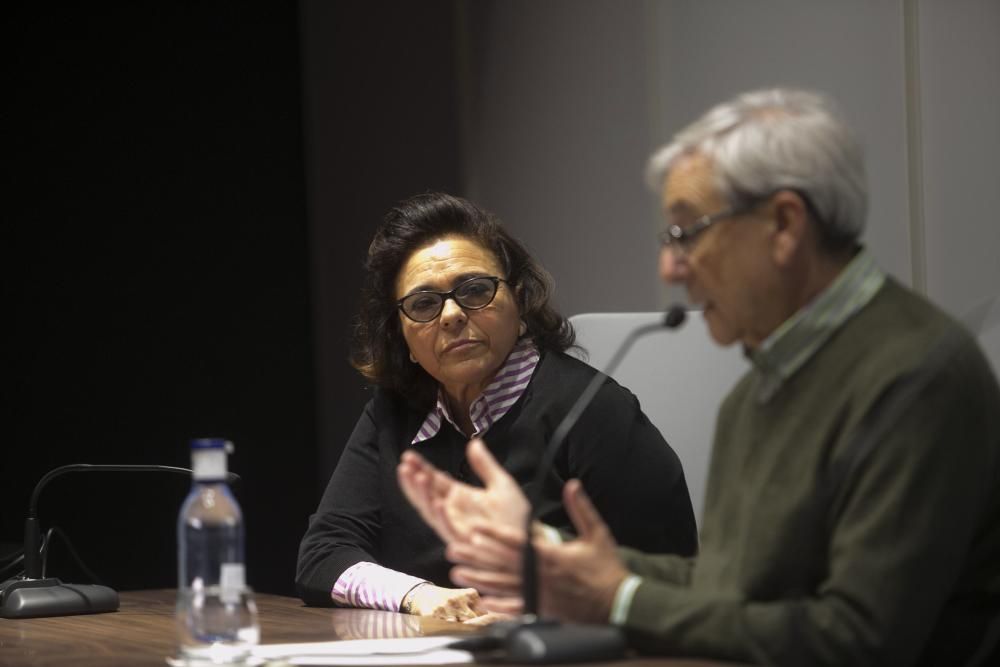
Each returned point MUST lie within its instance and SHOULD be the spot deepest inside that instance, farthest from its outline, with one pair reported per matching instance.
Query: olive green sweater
(852, 517)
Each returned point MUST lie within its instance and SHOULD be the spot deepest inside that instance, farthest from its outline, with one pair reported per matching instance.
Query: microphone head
(675, 316)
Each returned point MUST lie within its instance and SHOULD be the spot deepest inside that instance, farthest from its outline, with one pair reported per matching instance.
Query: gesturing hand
(578, 579)
(454, 509)
(468, 518)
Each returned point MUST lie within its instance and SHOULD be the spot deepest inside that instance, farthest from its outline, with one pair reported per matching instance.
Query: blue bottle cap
(212, 443)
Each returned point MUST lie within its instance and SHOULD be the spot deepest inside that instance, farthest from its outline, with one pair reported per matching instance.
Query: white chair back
(984, 322)
(679, 376)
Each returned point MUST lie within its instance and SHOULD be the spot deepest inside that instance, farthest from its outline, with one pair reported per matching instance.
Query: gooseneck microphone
(541, 641)
(33, 595)
(672, 318)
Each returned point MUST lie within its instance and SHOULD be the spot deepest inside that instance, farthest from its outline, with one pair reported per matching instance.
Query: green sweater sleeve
(661, 567)
(905, 527)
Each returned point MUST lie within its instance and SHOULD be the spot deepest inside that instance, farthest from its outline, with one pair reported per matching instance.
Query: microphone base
(547, 642)
(38, 598)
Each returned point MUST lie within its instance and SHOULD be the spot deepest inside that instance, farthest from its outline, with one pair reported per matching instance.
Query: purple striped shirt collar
(502, 393)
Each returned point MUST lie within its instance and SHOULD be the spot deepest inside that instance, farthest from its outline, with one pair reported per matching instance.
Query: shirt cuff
(623, 599)
(371, 586)
(550, 534)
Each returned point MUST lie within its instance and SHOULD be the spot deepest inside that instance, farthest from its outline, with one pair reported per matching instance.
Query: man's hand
(489, 561)
(482, 528)
(450, 604)
(578, 580)
(454, 509)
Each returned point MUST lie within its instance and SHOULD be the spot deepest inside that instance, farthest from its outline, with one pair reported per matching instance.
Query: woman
(457, 334)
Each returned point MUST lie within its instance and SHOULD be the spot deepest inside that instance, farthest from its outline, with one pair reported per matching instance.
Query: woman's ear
(519, 298)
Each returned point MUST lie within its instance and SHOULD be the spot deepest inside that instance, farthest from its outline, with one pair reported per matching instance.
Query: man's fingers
(439, 520)
(487, 582)
(406, 473)
(439, 483)
(412, 464)
(410, 457)
(415, 472)
(581, 511)
(414, 488)
(485, 554)
(512, 538)
(414, 475)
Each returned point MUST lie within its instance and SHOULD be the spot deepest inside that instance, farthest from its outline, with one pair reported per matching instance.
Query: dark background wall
(190, 191)
(382, 121)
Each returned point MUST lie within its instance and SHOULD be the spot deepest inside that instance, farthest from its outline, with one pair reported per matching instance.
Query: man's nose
(674, 266)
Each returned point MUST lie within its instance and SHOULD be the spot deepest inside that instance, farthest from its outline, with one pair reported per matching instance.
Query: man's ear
(791, 219)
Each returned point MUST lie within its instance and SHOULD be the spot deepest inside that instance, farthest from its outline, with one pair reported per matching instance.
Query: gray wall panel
(960, 99)
(557, 141)
(707, 52)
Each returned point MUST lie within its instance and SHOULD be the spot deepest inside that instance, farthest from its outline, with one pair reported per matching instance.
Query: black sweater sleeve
(345, 528)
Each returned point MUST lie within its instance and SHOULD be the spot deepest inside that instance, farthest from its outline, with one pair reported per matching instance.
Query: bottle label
(232, 581)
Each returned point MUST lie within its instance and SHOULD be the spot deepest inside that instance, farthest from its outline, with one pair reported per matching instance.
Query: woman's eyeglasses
(472, 294)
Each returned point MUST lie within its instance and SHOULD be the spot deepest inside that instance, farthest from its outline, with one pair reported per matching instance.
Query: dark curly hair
(379, 350)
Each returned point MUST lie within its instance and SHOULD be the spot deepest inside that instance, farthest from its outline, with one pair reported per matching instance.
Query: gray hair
(770, 140)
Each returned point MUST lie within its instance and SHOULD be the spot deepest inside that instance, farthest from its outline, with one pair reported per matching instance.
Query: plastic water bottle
(216, 615)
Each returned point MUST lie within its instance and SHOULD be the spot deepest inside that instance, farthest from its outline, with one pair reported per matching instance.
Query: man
(852, 512)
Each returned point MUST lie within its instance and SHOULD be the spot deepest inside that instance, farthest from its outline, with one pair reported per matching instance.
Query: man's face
(725, 269)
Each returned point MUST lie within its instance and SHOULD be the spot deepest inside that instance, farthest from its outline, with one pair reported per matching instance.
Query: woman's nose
(452, 313)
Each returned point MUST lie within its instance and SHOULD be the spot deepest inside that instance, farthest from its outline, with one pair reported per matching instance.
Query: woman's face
(461, 349)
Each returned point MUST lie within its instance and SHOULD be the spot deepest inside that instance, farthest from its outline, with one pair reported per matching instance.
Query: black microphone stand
(536, 640)
(33, 595)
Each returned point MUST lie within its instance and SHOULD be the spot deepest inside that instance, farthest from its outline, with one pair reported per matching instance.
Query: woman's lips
(460, 344)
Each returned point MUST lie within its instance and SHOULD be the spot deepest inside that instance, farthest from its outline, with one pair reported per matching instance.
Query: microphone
(675, 316)
(33, 595)
(533, 640)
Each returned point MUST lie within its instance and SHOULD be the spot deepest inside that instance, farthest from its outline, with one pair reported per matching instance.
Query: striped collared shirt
(794, 342)
(507, 386)
(372, 586)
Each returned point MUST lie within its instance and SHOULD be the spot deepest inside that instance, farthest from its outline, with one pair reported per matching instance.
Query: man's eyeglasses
(681, 239)
(472, 294)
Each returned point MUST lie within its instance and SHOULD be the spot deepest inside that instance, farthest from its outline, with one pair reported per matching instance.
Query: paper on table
(402, 651)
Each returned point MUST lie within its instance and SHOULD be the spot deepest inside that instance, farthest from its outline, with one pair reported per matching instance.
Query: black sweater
(629, 471)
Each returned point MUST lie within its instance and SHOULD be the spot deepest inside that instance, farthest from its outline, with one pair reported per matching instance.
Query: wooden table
(142, 632)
